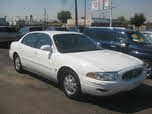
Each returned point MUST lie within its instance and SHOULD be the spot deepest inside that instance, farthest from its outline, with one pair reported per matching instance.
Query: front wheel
(71, 84)
(148, 66)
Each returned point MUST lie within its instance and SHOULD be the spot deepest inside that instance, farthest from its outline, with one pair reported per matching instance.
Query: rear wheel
(71, 84)
(17, 64)
(148, 66)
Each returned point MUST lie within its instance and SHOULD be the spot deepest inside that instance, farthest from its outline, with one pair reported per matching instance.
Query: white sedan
(77, 63)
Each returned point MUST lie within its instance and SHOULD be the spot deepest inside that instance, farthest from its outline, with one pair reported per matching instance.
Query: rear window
(35, 29)
(7, 29)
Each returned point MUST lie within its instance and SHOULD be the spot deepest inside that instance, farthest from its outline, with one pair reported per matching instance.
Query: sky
(15, 8)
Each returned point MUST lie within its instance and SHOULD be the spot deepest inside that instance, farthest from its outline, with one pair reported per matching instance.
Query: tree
(138, 20)
(20, 23)
(63, 16)
(123, 19)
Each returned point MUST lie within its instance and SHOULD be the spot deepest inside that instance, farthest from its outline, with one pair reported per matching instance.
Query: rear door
(28, 51)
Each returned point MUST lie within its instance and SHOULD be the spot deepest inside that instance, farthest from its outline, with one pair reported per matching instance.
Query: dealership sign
(100, 4)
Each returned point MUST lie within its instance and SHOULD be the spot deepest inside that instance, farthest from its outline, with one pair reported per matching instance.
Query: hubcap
(148, 67)
(70, 84)
(17, 63)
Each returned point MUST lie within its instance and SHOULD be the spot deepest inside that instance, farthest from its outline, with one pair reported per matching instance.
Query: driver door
(45, 59)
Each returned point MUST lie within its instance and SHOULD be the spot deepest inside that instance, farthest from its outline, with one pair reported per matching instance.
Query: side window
(30, 40)
(44, 40)
(103, 35)
(119, 36)
(4, 29)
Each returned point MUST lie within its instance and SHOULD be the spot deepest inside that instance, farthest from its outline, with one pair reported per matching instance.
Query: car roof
(32, 27)
(56, 27)
(52, 33)
(110, 28)
(146, 31)
(75, 26)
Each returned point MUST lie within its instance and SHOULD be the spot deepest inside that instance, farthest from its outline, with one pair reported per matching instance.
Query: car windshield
(138, 37)
(67, 43)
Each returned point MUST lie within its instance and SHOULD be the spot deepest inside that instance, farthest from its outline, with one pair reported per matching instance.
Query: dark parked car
(124, 40)
(25, 30)
(8, 34)
(56, 29)
(76, 29)
(147, 33)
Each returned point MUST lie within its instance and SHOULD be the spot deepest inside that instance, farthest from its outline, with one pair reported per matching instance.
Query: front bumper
(106, 88)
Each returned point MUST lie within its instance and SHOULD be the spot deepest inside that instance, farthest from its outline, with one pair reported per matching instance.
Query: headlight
(104, 76)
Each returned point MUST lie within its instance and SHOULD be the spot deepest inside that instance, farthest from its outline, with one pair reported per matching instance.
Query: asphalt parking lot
(30, 94)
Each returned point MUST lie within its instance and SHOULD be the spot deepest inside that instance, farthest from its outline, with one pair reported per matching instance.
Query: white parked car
(77, 63)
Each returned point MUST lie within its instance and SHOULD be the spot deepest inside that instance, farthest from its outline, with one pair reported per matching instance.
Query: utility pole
(85, 13)
(45, 17)
(110, 13)
(45, 14)
(76, 13)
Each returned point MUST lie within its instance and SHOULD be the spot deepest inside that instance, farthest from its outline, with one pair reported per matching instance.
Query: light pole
(110, 13)
(85, 13)
(76, 13)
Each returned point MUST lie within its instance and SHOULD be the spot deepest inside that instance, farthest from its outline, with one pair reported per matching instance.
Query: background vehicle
(76, 29)
(56, 29)
(25, 30)
(147, 34)
(7, 34)
(90, 70)
(124, 40)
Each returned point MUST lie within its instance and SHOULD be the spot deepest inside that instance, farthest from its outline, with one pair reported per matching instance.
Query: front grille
(132, 74)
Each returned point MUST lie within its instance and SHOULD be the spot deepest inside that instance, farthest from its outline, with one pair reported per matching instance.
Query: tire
(17, 64)
(70, 84)
(148, 66)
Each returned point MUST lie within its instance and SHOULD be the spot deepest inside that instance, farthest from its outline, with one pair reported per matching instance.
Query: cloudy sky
(14, 8)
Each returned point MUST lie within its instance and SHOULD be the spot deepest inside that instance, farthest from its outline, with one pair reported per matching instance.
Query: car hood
(147, 48)
(106, 60)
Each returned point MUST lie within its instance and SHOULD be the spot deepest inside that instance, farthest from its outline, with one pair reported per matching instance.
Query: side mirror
(46, 48)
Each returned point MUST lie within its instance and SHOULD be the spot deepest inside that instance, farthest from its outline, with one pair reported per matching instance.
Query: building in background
(96, 22)
(3, 21)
